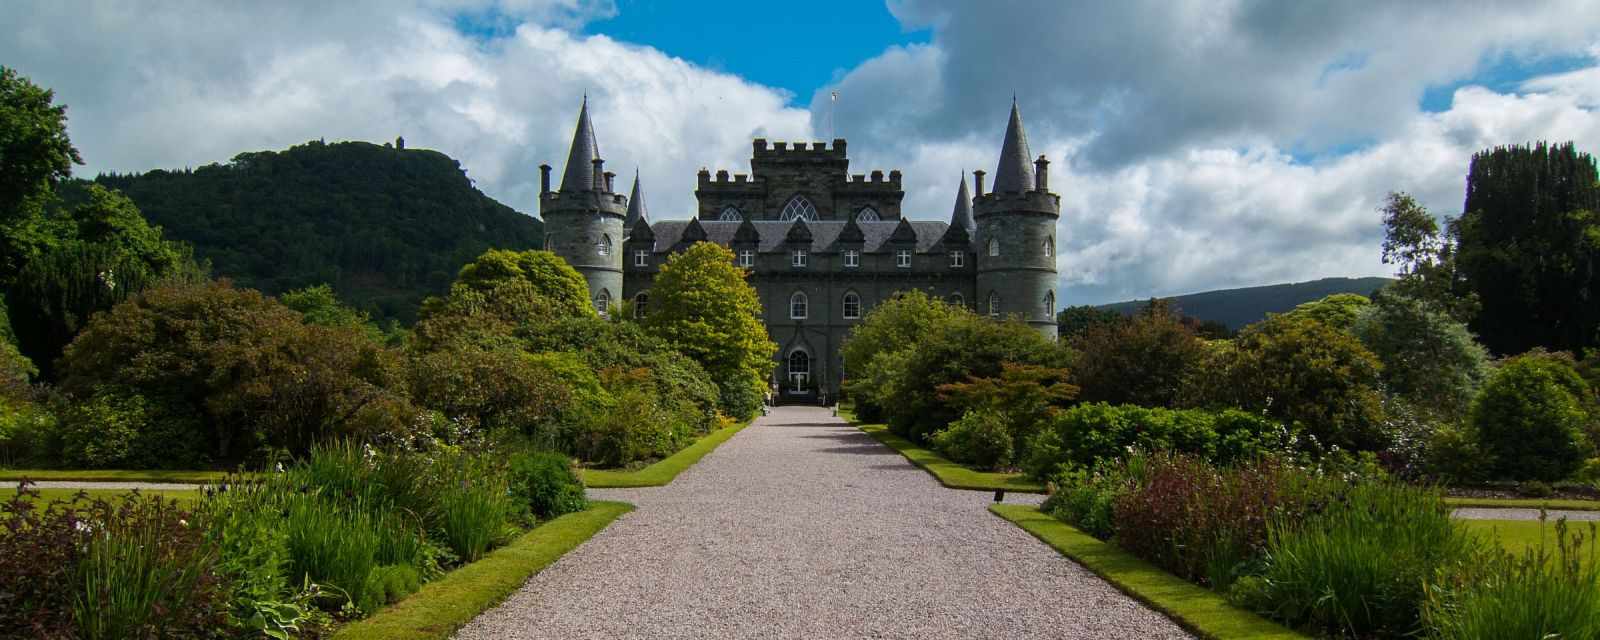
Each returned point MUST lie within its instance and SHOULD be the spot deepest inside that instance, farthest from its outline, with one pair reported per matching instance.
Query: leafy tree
(502, 295)
(702, 306)
(506, 389)
(558, 286)
(894, 326)
(1339, 310)
(1019, 400)
(1142, 360)
(318, 305)
(15, 369)
(1320, 381)
(1426, 258)
(36, 155)
(246, 367)
(1529, 247)
(1429, 358)
(1530, 419)
(1072, 322)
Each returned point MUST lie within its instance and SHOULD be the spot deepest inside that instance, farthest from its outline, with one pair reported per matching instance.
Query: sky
(1195, 145)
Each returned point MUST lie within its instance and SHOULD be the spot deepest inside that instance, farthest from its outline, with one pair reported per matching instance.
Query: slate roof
(961, 215)
(1015, 172)
(824, 233)
(636, 209)
(579, 174)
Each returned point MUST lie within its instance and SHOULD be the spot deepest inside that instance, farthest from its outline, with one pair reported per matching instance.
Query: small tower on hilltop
(1015, 240)
(583, 221)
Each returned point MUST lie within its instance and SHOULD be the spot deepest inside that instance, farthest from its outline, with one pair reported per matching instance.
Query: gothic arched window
(799, 370)
(1049, 304)
(798, 207)
(603, 247)
(994, 304)
(730, 213)
(1049, 247)
(641, 304)
(852, 306)
(994, 247)
(602, 303)
(798, 306)
(868, 214)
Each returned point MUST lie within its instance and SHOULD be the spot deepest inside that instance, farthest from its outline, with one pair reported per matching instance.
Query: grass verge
(444, 605)
(950, 474)
(1195, 608)
(112, 475)
(1524, 503)
(662, 472)
(1518, 536)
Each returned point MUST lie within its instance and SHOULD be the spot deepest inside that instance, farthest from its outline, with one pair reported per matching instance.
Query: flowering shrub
(1086, 434)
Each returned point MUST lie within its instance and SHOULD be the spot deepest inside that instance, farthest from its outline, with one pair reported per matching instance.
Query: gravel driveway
(801, 526)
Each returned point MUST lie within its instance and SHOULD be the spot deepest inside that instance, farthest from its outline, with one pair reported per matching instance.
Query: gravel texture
(801, 526)
(112, 486)
(1475, 513)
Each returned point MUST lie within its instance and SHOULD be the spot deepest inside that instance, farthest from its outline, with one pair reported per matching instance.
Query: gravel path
(801, 526)
(113, 486)
(1475, 513)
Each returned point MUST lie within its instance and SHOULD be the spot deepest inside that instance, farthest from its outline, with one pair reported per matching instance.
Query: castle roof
(640, 230)
(636, 208)
(903, 233)
(961, 216)
(1015, 172)
(825, 234)
(851, 233)
(798, 233)
(579, 175)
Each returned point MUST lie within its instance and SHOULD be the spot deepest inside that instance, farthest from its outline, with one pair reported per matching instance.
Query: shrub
(29, 436)
(894, 326)
(1530, 418)
(545, 482)
(1429, 358)
(980, 438)
(1541, 594)
(1362, 565)
(1086, 434)
(1087, 499)
(1143, 360)
(1024, 396)
(119, 429)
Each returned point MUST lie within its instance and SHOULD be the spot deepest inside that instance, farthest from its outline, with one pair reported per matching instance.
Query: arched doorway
(798, 370)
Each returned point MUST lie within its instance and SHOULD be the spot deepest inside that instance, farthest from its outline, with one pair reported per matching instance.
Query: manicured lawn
(113, 475)
(948, 473)
(47, 495)
(1518, 536)
(1525, 503)
(444, 605)
(1200, 610)
(660, 473)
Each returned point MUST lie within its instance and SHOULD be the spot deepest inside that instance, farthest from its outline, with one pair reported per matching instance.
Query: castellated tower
(583, 221)
(1016, 236)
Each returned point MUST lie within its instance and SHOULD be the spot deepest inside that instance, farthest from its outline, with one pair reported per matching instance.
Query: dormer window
(902, 258)
(852, 258)
(641, 257)
(797, 258)
(958, 259)
(747, 258)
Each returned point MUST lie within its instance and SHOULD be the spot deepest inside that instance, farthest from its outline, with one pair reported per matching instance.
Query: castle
(823, 246)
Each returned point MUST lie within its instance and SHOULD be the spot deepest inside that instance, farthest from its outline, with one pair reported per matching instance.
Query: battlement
(583, 201)
(1040, 202)
(780, 151)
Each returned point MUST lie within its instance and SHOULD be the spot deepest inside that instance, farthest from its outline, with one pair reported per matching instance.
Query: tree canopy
(702, 305)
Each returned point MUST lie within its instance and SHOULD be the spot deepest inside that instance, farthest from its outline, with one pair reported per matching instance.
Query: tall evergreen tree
(1529, 247)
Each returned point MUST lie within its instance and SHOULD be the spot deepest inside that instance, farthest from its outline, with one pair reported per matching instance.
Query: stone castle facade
(823, 246)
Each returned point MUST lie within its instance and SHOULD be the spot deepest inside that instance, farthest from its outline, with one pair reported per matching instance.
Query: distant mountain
(1239, 307)
(385, 226)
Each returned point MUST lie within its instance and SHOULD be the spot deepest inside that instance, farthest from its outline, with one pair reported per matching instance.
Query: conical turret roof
(636, 208)
(961, 216)
(579, 175)
(1015, 172)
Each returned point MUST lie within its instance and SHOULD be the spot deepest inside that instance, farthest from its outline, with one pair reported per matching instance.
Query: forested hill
(385, 226)
(1239, 307)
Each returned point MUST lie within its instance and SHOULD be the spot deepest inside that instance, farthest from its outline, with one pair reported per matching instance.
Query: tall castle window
(994, 304)
(1049, 304)
(641, 257)
(994, 247)
(1049, 247)
(799, 370)
(852, 306)
(797, 258)
(958, 259)
(902, 258)
(602, 303)
(603, 247)
(730, 213)
(797, 306)
(641, 304)
(868, 214)
(852, 258)
(798, 207)
(747, 258)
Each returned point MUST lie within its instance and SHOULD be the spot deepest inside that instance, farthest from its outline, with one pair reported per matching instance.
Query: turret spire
(1015, 172)
(580, 171)
(636, 208)
(961, 216)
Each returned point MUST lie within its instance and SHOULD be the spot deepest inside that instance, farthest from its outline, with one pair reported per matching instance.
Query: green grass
(1202, 611)
(112, 475)
(948, 473)
(1525, 503)
(444, 605)
(47, 495)
(662, 472)
(1518, 536)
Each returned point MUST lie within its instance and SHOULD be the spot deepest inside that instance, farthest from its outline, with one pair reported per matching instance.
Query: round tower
(1015, 241)
(583, 221)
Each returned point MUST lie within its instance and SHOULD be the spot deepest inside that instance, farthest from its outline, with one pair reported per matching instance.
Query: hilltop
(1239, 307)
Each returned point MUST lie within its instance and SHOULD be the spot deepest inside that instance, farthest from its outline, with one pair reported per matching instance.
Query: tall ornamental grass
(1543, 593)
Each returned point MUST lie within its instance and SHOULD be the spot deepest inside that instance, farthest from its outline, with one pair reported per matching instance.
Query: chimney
(599, 174)
(544, 178)
(978, 175)
(609, 177)
(1041, 174)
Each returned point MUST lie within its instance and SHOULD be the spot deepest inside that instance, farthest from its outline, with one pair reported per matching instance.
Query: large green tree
(1142, 360)
(1429, 358)
(702, 305)
(1425, 257)
(893, 327)
(1529, 247)
(35, 155)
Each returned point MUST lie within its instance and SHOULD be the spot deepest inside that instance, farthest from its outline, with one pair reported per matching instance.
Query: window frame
(747, 258)
(994, 304)
(641, 257)
(730, 213)
(851, 299)
(800, 207)
(902, 258)
(799, 258)
(799, 300)
(994, 248)
(641, 304)
(868, 214)
(603, 247)
(958, 259)
(602, 303)
(852, 258)
(1050, 247)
